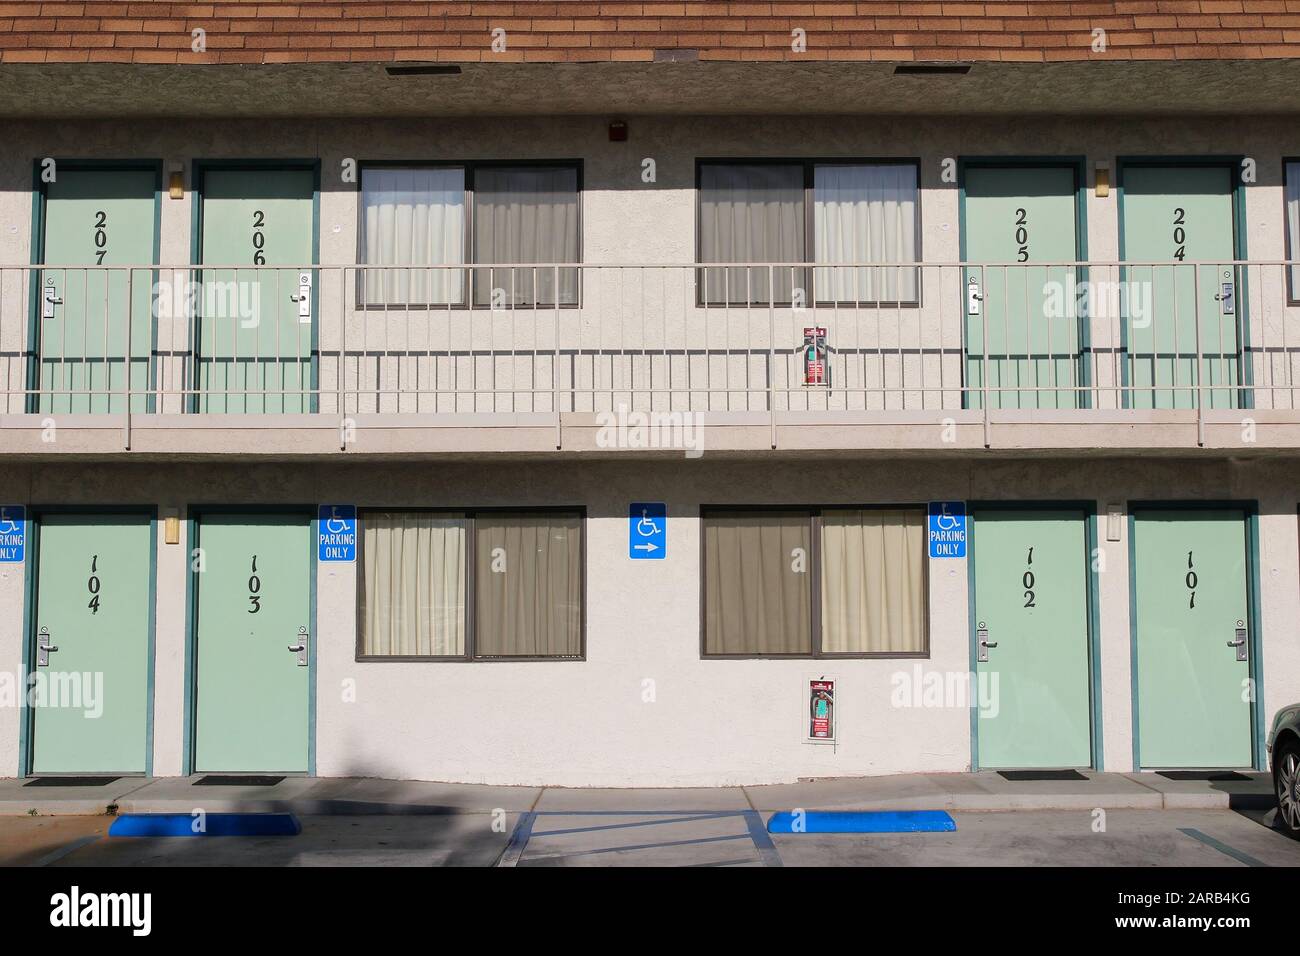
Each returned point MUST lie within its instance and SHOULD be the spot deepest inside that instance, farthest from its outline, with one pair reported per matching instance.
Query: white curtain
(412, 217)
(1293, 225)
(413, 602)
(865, 214)
(873, 581)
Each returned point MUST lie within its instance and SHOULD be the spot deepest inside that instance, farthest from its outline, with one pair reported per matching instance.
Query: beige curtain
(413, 602)
(873, 581)
(751, 214)
(528, 584)
(756, 583)
(526, 214)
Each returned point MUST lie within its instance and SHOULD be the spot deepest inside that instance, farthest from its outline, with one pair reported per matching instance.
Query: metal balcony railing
(562, 338)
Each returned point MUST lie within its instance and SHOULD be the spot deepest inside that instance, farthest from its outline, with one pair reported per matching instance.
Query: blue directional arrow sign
(647, 530)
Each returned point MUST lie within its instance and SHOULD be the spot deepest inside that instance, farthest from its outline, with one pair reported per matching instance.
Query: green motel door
(1032, 659)
(1175, 216)
(91, 644)
(1022, 321)
(96, 223)
(1193, 639)
(254, 336)
(254, 620)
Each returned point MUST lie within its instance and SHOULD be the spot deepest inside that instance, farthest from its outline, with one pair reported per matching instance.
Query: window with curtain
(528, 584)
(873, 582)
(412, 602)
(1292, 177)
(525, 214)
(863, 218)
(762, 570)
(865, 214)
(415, 573)
(754, 214)
(412, 220)
(757, 566)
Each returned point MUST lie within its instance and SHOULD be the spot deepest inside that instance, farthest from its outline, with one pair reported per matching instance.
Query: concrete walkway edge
(982, 791)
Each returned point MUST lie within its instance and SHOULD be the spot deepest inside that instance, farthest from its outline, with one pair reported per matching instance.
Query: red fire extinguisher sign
(816, 370)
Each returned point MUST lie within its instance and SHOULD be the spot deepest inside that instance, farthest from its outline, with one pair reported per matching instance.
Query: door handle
(49, 299)
(301, 647)
(44, 647)
(982, 635)
(1239, 642)
(973, 296)
(303, 298)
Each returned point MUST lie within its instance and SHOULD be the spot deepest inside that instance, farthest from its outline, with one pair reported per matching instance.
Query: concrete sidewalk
(981, 791)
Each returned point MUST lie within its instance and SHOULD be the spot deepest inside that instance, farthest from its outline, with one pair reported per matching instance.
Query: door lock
(44, 647)
(1243, 651)
(49, 299)
(301, 647)
(973, 296)
(303, 298)
(1226, 296)
(982, 635)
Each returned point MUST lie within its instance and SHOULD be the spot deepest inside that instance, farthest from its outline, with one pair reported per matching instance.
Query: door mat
(236, 780)
(875, 821)
(70, 781)
(1041, 775)
(1203, 775)
(210, 824)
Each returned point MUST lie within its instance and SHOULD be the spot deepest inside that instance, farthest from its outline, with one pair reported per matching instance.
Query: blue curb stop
(878, 821)
(213, 824)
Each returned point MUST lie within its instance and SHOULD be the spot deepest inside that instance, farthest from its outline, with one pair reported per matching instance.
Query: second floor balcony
(609, 358)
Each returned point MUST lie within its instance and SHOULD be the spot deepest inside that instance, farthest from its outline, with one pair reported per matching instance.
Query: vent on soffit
(932, 69)
(439, 70)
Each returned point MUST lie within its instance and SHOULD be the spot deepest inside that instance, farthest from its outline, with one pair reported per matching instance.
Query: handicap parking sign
(947, 529)
(336, 532)
(13, 538)
(647, 530)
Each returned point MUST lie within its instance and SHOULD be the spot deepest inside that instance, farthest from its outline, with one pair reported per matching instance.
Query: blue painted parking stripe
(199, 825)
(881, 821)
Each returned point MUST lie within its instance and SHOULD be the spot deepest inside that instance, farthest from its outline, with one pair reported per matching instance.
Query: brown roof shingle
(621, 30)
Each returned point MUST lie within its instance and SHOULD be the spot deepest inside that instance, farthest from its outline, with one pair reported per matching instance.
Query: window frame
(809, 165)
(470, 167)
(815, 512)
(471, 595)
(1289, 247)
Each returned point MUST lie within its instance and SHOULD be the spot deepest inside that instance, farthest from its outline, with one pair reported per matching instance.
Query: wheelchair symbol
(334, 524)
(945, 521)
(8, 525)
(646, 527)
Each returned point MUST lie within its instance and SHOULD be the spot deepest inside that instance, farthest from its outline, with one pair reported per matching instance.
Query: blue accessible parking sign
(647, 530)
(336, 532)
(947, 529)
(13, 538)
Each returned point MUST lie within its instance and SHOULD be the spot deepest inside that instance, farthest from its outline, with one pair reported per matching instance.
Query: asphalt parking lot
(677, 837)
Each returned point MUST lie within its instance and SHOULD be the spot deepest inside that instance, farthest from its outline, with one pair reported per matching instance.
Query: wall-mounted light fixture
(618, 131)
(176, 181)
(1114, 521)
(1101, 179)
(172, 527)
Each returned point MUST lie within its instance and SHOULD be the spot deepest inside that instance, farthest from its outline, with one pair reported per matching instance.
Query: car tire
(1286, 786)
